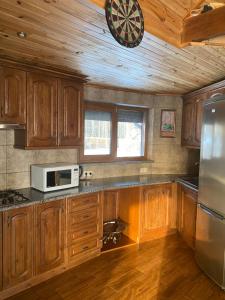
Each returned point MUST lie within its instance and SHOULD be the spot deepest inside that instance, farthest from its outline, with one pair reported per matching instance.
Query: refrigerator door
(210, 244)
(212, 166)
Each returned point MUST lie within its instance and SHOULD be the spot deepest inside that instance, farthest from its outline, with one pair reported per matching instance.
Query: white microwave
(53, 177)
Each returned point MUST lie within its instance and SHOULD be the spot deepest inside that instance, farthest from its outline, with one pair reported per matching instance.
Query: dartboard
(125, 21)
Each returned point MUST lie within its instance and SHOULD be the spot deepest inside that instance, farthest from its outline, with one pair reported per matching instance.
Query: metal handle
(85, 248)
(211, 212)
(216, 94)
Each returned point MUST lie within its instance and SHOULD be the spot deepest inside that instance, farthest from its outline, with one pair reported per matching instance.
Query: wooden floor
(158, 270)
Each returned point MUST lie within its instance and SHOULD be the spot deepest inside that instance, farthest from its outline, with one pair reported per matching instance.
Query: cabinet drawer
(84, 216)
(78, 203)
(82, 248)
(83, 231)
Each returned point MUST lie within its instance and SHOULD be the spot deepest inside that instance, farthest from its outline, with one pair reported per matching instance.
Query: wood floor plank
(164, 269)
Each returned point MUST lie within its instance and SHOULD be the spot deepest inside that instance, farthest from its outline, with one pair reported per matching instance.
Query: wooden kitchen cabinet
(41, 111)
(70, 113)
(84, 225)
(187, 211)
(12, 96)
(54, 113)
(110, 205)
(158, 212)
(192, 121)
(49, 236)
(17, 245)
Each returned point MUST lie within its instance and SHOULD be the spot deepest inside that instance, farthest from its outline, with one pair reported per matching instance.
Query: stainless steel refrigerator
(210, 227)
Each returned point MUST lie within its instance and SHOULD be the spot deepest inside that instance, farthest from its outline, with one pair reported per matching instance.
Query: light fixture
(21, 34)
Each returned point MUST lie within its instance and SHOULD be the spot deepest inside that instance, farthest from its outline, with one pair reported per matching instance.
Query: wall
(169, 157)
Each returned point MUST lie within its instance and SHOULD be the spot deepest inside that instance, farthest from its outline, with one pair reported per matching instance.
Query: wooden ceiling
(72, 35)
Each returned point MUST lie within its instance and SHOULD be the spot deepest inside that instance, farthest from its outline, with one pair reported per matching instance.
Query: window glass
(130, 133)
(97, 133)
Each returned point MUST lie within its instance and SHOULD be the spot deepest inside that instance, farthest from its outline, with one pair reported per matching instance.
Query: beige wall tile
(18, 180)
(2, 181)
(2, 137)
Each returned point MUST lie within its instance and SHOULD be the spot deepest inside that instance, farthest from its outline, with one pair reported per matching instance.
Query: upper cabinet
(70, 113)
(54, 113)
(41, 111)
(12, 96)
(193, 113)
(192, 121)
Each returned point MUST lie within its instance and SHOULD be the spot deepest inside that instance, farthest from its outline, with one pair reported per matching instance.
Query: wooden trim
(52, 71)
(126, 90)
(204, 26)
(205, 89)
(113, 108)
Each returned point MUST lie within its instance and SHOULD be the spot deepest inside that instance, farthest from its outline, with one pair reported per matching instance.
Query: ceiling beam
(204, 26)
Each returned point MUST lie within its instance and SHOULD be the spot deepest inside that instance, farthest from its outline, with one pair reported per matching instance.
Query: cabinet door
(41, 111)
(188, 119)
(70, 113)
(12, 96)
(158, 212)
(198, 113)
(49, 236)
(187, 210)
(17, 245)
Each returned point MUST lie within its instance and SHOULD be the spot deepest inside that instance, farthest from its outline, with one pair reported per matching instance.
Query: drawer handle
(86, 232)
(85, 248)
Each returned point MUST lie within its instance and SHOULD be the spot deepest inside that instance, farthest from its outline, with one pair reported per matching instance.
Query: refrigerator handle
(211, 212)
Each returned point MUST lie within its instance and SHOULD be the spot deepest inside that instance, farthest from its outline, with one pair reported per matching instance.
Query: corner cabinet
(187, 212)
(12, 96)
(158, 212)
(17, 246)
(54, 117)
(49, 236)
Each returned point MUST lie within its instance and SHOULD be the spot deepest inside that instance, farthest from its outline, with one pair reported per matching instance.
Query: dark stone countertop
(92, 186)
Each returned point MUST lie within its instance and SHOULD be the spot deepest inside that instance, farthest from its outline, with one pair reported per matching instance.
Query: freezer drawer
(210, 244)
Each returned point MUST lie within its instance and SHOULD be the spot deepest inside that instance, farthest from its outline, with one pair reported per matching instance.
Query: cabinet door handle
(216, 94)
(85, 248)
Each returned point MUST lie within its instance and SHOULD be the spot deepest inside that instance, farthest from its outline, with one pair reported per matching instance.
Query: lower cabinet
(84, 227)
(49, 245)
(187, 211)
(158, 212)
(17, 245)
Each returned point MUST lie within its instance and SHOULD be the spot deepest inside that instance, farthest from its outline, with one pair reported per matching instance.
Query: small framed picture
(168, 123)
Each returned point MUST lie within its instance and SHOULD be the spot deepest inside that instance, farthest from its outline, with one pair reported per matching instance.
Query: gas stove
(12, 197)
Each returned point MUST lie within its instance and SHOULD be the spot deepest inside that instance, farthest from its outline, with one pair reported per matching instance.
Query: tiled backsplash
(15, 163)
(168, 156)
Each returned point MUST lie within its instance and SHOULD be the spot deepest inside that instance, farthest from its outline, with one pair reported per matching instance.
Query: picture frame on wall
(168, 123)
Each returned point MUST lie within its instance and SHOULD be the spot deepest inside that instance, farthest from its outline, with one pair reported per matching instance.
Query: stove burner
(11, 197)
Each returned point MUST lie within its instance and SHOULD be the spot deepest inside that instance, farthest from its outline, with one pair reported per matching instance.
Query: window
(113, 132)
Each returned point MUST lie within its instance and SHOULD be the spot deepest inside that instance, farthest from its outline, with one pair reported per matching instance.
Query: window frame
(113, 109)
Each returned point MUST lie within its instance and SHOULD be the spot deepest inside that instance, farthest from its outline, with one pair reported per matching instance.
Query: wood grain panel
(70, 113)
(41, 110)
(17, 246)
(110, 205)
(187, 212)
(158, 212)
(12, 96)
(49, 236)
